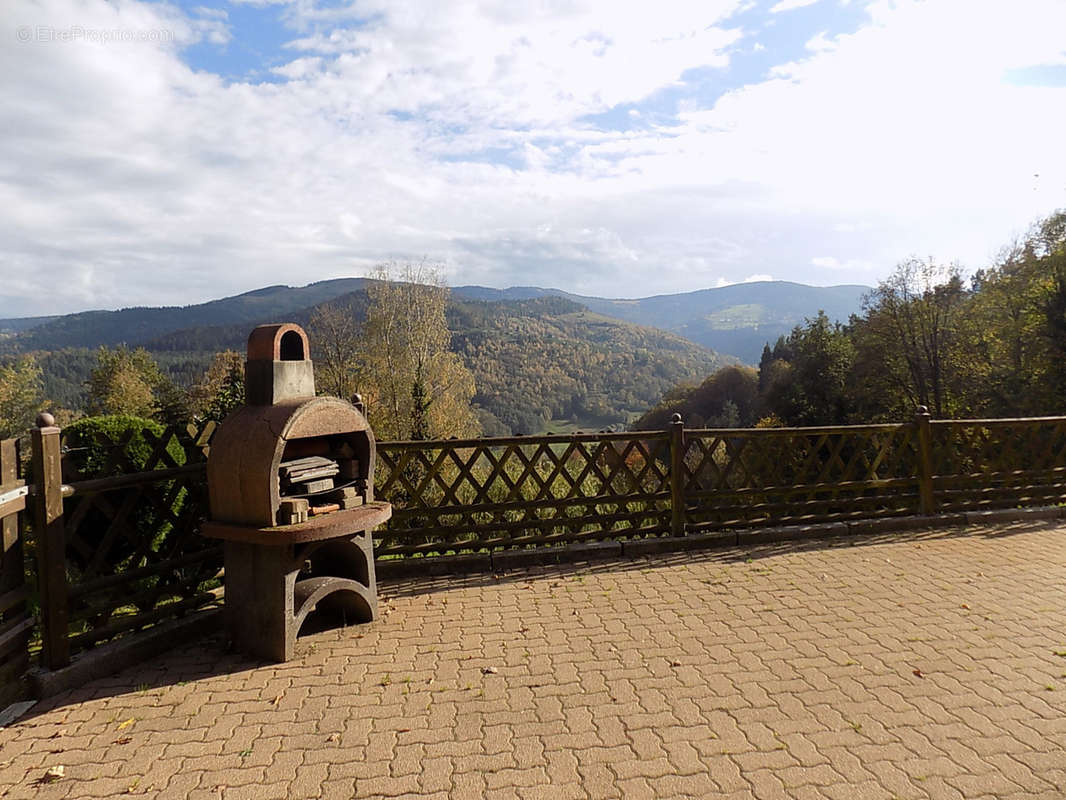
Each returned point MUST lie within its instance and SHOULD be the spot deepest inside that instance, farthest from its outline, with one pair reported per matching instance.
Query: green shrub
(91, 444)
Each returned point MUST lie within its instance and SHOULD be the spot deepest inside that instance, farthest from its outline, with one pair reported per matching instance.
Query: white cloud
(300, 68)
(789, 5)
(756, 278)
(820, 43)
(852, 265)
(132, 179)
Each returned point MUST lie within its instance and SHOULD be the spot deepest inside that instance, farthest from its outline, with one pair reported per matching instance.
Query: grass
(577, 425)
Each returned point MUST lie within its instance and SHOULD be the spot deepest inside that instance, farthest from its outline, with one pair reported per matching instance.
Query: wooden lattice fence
(119, 550)
(998, 463)
(131, 550)
(483, 494)
(745, 477)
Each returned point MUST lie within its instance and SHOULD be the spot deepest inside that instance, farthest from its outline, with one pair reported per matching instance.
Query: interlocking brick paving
(928, 667)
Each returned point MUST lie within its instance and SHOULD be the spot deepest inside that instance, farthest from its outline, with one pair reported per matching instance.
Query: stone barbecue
(291, 483)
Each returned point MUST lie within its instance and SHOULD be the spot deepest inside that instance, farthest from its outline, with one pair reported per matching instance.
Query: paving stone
(794, 670)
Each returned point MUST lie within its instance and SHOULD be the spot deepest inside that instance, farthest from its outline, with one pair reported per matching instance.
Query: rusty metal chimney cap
(278, 342)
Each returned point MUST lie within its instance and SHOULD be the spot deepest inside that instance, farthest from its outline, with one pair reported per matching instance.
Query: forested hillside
(137, 326)
(538, 363)
(733, 320)
(550, 359)
(737, 319)
(993, 346)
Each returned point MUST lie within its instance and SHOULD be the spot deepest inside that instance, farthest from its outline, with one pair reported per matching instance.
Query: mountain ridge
(733, 320)
(537, 363)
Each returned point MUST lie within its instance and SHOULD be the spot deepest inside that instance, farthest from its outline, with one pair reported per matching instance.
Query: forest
(992, 346)
(495, 368)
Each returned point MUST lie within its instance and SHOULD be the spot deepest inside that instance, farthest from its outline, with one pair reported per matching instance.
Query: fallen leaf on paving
(965, 606)
(53, 773)
(123, 725)
(124, 740)
(675, 663)
(918, 672)
(331, 738)
(276, 700)
(489, 670)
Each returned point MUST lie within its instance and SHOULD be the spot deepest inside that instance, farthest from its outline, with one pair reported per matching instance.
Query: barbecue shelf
(326, 526)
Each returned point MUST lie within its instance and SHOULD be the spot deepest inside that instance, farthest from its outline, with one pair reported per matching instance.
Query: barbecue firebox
(291, 483)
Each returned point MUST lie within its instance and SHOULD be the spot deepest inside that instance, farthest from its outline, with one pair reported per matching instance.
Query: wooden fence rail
(741, 478)
(481, 494)
(121, 553)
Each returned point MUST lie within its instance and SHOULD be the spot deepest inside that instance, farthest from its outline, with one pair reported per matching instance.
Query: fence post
(926, 504)
(15, 636)
(677, 464)
(50, 536)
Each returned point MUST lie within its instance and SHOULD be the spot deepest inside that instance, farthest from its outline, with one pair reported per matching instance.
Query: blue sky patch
(769, 40)
(1039, 75)
(259, 34)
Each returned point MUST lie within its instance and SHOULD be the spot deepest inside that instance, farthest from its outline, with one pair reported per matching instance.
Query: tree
(1054, 308)
(726, 399)
(335, 339)
(1002, 352)
(907, 342)
(1016, 334)
(124, 382)
(221, 387)
(21, 396)
(804, 379)
(414, 387)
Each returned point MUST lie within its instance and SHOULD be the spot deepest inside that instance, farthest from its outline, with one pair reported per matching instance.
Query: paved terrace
(872, 668)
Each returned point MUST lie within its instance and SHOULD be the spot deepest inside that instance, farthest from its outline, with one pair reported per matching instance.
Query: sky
(168, 153)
